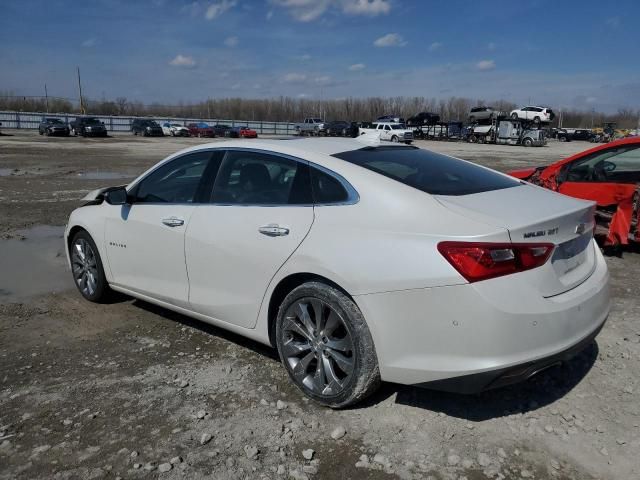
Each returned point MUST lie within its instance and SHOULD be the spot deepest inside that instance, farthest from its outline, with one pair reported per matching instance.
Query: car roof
(323, 146)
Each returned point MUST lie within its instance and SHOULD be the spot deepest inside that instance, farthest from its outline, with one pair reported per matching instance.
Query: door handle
(273, 230)
(173, 222)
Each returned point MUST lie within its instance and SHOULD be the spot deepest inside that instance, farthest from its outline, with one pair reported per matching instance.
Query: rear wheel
(536, 120)
(472, 119)
(527, 142)
(562, 139)
(394, 139)
(325, 345)
(514, 116)
(87, 270)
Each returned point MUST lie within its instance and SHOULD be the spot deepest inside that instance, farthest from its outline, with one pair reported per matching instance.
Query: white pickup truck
(391, 132)
(311, 126)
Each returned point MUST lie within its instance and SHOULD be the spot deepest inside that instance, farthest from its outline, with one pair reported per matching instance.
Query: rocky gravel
(131, 390)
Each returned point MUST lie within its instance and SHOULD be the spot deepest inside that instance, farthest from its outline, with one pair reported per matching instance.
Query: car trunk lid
(534, 215)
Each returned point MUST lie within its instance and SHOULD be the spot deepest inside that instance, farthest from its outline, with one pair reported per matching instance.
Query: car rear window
(430, 172)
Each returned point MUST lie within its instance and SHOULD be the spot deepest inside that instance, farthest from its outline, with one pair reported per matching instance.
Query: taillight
(480, 261)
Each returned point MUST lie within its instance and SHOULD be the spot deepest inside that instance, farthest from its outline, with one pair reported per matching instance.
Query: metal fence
(31, 120)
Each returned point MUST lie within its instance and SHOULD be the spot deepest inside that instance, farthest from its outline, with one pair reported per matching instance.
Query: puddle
(97, 175)
(33, 263)
(5, 172)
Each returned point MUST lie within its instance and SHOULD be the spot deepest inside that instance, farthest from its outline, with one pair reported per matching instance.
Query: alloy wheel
(85, 267)
(317, 346)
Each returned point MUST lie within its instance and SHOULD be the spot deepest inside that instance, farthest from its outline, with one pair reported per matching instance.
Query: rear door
(260, 211)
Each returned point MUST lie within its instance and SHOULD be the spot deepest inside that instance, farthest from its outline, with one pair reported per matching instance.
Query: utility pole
(46, 96)
(82, 110)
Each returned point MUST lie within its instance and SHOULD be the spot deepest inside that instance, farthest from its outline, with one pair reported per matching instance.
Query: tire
(83, 247)
(472, 119)
(73, 132)
(536, 120)
(394, 139)
(47, 133)
(354, 348)
(562, 139)
(472, 139)
(527, 142)
(40, 132)
(514, 116)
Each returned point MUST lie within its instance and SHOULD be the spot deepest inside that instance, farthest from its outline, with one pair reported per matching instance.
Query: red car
(200, 130)
(608, 175)
(246, 132)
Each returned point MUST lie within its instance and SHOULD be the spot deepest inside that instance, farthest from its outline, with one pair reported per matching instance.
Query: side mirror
(117, 196)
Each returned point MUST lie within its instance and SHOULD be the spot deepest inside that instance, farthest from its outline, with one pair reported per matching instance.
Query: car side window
(618, 165)
(175, 182)
(256, 178)
(327, 188)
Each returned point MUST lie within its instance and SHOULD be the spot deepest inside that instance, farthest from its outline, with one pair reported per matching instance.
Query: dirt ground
(130, 390)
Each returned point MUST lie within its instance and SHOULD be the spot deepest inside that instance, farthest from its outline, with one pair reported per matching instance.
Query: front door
(145, 239)
(260, 211)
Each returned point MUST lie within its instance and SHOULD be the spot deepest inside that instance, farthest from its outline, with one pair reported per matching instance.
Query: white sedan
(175, 130)
(358, 262)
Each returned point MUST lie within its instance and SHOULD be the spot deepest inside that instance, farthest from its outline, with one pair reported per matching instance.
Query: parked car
(392, 132)
(478, 297)
(201, 129)
(390, 119)
(243, 132)
(340, 128)
(609, 175)
(534, 114)
(478, 114)
(311, 126)
(422, 118)
(53, 126)
(222, 130)
(175, 130)
(567, 135)
(88, 127)
(146, 128)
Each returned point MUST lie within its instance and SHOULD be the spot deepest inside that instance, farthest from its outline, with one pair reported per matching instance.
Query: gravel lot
(130, 390)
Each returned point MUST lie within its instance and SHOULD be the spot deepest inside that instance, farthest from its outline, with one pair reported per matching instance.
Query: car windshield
(397, 127)
(176, 125)
(427, 171)
(317, 120)
(203, 125)
(92, 121)
(57, 121)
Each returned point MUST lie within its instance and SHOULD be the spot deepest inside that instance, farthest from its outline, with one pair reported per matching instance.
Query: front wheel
(325, 345)
(527, 142)
(514, 116)
(394, 139)
(87, 270)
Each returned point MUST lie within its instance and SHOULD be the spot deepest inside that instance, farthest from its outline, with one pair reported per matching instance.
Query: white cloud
(390, 40)
(323, 80)
(435, 46)
(356, 67)
(269, 14)
(305, 57)
(485, 65)
(613, 22)
(89, 42)
(231, 41)
(310, 10)
(370, 8)
(304, 10)
(491, 46)
(218, 8)
(294, 77)
(183, 61)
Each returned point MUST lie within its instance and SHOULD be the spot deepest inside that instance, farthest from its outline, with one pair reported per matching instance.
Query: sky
(564, 54)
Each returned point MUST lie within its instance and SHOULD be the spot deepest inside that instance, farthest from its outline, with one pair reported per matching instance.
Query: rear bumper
(479, 382)
(481, 335)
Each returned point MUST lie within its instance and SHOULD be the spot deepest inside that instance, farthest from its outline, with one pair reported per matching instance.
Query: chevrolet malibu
(359, 262)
